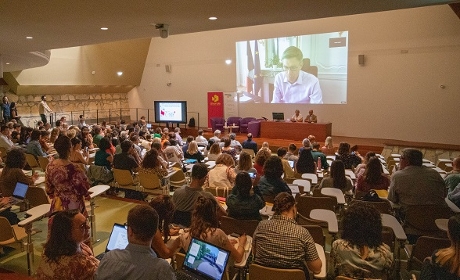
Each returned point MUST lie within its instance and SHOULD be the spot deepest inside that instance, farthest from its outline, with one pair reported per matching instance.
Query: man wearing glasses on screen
(294, 85)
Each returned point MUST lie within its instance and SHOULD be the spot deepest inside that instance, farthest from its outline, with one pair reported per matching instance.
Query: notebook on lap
(204, 261)
(118, 239)
(19, 194)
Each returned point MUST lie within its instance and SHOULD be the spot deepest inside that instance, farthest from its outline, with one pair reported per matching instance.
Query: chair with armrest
(124, 179)
(236, 121)
(230, 225)
(316, 233)
(150, 183)
(244, 124)
(11, 234)
(420, 220)
(36, 196)
(217, 123)
(424, 247)
(259, 272)
(32, 162)
(43, 162)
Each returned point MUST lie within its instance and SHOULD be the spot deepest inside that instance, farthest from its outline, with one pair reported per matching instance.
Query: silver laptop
(204, 261)
(118, 239)
(19, 194)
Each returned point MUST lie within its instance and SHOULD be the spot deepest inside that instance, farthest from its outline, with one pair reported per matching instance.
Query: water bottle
(319, 163)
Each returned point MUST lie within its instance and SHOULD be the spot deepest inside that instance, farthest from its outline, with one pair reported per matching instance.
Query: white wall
(395, 95)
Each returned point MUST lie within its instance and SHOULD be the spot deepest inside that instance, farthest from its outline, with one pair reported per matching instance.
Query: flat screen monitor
(170, 111)
(278, 116)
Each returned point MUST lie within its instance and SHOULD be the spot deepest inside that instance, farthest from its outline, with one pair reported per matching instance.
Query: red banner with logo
(215, 105)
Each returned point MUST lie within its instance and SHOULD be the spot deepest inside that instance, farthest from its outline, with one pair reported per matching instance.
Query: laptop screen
(20, 190)
(278, 116)
(118, 238)
(205, 260)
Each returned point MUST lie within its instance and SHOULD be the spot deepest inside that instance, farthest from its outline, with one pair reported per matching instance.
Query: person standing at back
(44, 109)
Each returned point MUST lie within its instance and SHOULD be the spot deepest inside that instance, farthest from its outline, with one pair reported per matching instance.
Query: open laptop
(19, 194)
(203, 261)
(118, 240)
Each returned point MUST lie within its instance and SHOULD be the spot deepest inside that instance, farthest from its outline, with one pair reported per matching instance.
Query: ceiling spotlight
(119, 73)
(164, 32)
(104, 28)
(212, 18)
(7, 63)
(29, 37)
(228, 61)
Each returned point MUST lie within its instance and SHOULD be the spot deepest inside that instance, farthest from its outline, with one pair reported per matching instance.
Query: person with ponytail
(445, 263)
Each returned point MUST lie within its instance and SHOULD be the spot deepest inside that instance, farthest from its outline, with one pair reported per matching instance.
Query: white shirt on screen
(305, 90)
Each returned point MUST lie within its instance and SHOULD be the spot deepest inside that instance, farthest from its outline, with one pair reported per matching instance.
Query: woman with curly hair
(65, 255)
(164, 206)
(205, 226)
(373, 177)
(445, 263)
(360, 253)
(271, 184)
(337, 179)
(152, 164)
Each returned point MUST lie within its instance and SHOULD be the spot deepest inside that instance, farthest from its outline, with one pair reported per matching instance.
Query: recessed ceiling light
(104, 28)
(228, 61)
(212, 18)
(7, 63)
(29, 37)
(119, 73)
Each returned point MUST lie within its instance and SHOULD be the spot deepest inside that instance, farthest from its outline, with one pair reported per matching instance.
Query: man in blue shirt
(138, 260)
(249, 144)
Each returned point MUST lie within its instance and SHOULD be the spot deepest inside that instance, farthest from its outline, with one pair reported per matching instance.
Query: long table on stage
(295, 130)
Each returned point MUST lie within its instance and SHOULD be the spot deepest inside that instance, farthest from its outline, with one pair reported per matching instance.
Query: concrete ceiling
(62, 23)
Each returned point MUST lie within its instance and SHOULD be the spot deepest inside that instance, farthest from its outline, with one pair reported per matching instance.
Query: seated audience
(227, 149)
(55, 132)
(349, 160)
(128, 159)
(250, 144)
(76, 154)
(281, 243)
(453, 178)
(7, 213)
(373, 177)
(415, 184)
(454, 195)
(5, 138)
(337, 178)
(305, 164)
(165, 208)
(172, 151)
(328, 148)
(86, 138)
(185, 197)
(34, 147)
(138, 260)
(152, 164)
(65, 255)
(265, 146)
(235, 144)
(223, 174)
(306, 144)
(44, 139)
(259, 161)
(243, 205)
(245, 164)
(185, 146)
(216, 137)
(13, 172)
(193, 152)
(360, 168)
(288, 171)
(271, 184)
(444, 264)
(214, 151)
(103, 156)
(290, 155)
(161, 155)
(200, 139)
(316, 153)
(205, 226)
(360, 253)
(208, 147)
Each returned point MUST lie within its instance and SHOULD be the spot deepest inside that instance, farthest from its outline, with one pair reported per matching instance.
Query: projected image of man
(294, 85)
